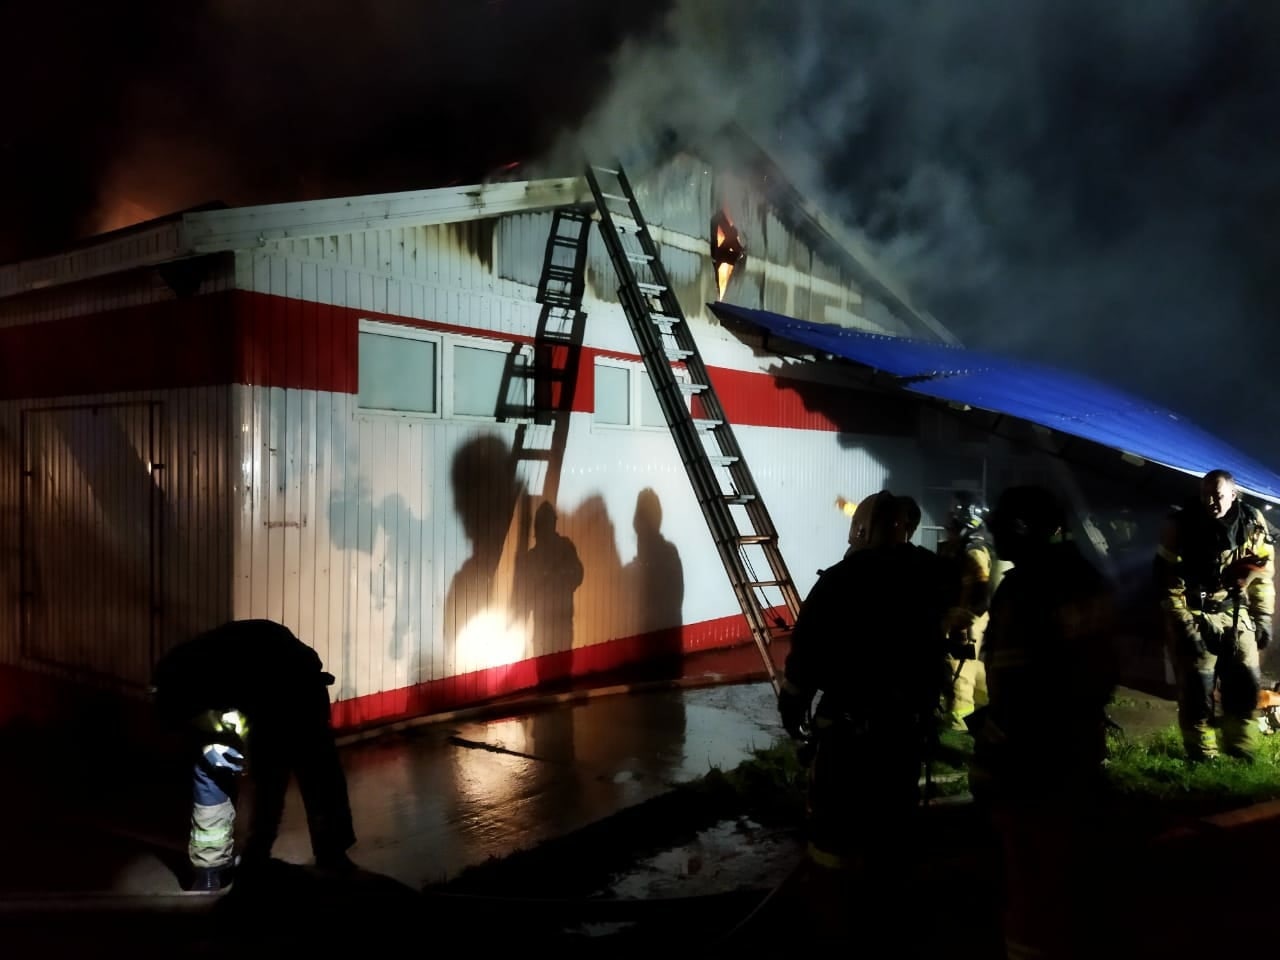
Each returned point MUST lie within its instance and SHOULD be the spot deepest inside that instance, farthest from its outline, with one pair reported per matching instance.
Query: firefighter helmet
(967, 513)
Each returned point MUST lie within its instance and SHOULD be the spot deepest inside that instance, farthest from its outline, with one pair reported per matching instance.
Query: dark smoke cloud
(1089, 183)
(147, 106)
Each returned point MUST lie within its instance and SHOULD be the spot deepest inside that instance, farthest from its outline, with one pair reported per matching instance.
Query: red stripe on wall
(165, 345)
(48, 702)
(271, 341)
(469, 689)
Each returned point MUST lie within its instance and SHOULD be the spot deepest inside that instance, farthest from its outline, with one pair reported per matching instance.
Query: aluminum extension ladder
(721, 480)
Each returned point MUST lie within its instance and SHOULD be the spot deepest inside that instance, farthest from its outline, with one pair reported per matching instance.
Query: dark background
(1090, 184)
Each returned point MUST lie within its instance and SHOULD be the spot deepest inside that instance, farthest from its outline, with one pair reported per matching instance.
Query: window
(625, 396)
(613, 394)
(491, 379)
(398, 369)
(414, 372)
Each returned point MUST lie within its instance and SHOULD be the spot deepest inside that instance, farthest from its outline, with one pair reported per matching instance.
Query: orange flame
(727, 251)
(723, 272)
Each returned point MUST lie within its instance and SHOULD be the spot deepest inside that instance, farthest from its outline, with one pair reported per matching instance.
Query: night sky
(1092, 184)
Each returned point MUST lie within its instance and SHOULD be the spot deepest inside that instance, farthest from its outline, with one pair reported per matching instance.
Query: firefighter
(1214, 568)
(869, 636)
(252, 699)
(967, 545)
(1040, 743)
(859, 515)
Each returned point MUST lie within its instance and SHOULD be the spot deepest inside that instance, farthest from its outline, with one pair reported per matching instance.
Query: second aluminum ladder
(730, 500)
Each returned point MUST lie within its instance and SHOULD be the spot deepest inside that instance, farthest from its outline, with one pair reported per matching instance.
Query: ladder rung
(679, 354)
(755, 538)
(767, 583)
(608, 170)
(623, 222)
(739, 498)
(663, 318)
(723, 460)
(639, 257)
(691, 387)
(614, 196)
(651, 287)
(708, 424)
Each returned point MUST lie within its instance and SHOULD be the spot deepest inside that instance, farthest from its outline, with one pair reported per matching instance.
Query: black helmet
(1027, 515)
(967, 514)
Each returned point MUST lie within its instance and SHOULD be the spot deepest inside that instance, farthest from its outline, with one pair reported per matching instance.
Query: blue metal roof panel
(1058, 399)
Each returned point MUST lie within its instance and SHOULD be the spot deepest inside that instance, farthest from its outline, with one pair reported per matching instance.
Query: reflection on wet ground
(431, 801)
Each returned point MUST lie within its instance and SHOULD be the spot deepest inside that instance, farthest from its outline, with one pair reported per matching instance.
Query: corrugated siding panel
(121, 537)
(391, 545)
(131, 289)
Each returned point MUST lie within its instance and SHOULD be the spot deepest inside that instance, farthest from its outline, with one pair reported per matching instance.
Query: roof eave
(204, 232)
(247, 228)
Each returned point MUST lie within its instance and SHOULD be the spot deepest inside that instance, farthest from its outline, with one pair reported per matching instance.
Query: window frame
(637, 376)
(501, 347)
(445, 344)
(402, 332)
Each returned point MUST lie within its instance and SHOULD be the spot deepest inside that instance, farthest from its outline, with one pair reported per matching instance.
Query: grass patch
(1154, 768)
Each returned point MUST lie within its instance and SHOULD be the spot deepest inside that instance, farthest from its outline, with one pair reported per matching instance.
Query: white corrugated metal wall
(115, 535)
(350, 529)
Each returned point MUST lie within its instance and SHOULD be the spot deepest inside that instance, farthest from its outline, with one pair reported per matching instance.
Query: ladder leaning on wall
(721, 480)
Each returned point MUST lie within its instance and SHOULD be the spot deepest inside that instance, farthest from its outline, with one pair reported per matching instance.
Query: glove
(222, 757)
(961, 647)
(1209, 635)
(1263, 623)
(793, 706)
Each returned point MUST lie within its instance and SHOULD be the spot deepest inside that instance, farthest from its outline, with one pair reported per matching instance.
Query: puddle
(732, 855)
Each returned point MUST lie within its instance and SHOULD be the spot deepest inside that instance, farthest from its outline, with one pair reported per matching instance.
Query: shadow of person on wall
(545, 580)
(485, 492)
(654, 582)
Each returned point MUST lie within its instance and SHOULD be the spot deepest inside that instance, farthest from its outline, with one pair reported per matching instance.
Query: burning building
(344, 415)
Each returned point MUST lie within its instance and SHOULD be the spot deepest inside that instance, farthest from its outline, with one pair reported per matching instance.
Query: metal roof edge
(866, 266)
(116, 253)
(245, 228)
(194, 233)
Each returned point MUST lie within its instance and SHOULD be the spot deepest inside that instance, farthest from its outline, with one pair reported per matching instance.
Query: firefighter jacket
(1051, 672)
(975, 559)
(244, 677)
(870, 635)
(1198, 557)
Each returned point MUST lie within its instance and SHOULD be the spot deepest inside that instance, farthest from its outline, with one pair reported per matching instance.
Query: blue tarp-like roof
(1053, 398)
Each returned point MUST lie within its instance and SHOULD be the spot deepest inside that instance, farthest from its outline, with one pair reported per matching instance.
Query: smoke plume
(1089, 184)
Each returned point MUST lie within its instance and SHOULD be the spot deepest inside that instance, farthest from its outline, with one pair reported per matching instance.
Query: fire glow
(728, 249)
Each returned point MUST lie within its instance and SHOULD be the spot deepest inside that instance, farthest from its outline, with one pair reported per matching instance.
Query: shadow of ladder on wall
(744, 534)
(540, 393)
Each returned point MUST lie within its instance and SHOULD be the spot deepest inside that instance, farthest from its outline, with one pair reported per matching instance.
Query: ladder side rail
(725, 436)
(690, 442)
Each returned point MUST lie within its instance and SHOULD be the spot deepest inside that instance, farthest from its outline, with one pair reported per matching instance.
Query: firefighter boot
(209, 879)
(1237, 737)
(1200, 741)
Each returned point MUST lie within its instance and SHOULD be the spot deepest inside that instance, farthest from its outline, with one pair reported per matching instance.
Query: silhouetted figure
(1040, 743)
(485, 492)
(870, 636)
(545, 580)
(656, 585)
(250, 696)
